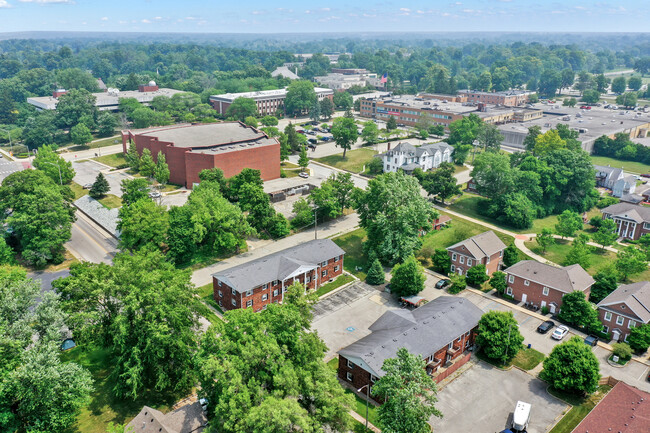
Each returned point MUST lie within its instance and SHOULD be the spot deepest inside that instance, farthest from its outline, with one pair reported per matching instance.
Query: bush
(545, 310)
(639, 338)
(596, 221)
(606, 201)
(622, 350)
(407, 278)
(282, 173)
(458, 283)
(441, 261)
(498, 282)
(477, 275)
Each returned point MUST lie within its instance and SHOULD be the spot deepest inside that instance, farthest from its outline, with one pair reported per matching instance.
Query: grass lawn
(103, 407)
(77, 190)
(581, 407)
(527, 359)
(206, 292)
(328, 287)
(628, 166)
(360, 404)
(352, 244)
(354, 160)
(113, 160)
(459, 168)
(111, 201)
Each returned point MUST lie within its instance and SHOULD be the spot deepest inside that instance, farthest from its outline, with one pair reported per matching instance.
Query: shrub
(498, 282)
(606, 201)
(596, 221)
(407, 278)
(476, 275)
(458, 283)
(622, 350)
(545, 310)
(441, 261)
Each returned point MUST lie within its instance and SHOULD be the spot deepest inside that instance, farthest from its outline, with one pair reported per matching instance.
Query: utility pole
(315, 223)
(367, 397)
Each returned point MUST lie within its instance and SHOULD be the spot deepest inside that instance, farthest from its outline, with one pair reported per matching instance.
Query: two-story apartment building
(439, 331)
(407, 157)
(606, 176)
(632, 220)
(483, 249)
(542, 285)
(623, 309)
(257, 283)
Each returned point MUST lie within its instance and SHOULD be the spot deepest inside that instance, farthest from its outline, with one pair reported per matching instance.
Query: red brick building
(483, 249)
(439, 331)
(625, 409)
(268, 101)
(510, 98)
(189, 149)
(623, 309)
(263, 281)
(632, 220)
(530, 281)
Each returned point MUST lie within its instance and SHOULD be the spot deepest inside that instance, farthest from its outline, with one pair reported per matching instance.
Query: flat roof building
(510, 98)
(337, 81)
(268, 101)
(189, 149)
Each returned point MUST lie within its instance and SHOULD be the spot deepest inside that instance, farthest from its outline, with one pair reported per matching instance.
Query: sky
(264, 16)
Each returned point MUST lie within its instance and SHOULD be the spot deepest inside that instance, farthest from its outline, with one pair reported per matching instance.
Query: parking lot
(483, 398)
(87, 171)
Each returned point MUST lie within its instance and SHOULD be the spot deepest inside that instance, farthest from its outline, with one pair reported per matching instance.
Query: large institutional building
(189, 149)
(268, 101)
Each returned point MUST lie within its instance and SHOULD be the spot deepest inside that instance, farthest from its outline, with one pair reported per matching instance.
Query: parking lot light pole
(11, 145)
(57, 166)
(367, 386)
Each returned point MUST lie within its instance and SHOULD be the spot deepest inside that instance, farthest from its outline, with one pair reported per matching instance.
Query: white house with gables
(407, 157)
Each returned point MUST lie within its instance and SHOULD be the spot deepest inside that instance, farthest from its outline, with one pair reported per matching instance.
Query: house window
(220, 294)
(234, 302)
(232, 291)
(462, 259)
(324, 273)
(526, 283)
(619, 320)
(646, 226)
(265, 297)
(249, 293)
(350, 364)
(337, 258)
(249, 303)
(308, 280)
(631, 324)
(453, 257)
(511, 278)
(450, 345)
(265, 286)
(469, 262)
(373, 378)
(348, 376)
(275, 283)
(509, 291)
(608, 316)
(336, 268)
(605, 329)
(466, 344)
(453, 268)
(219, 281)
(220, 304)
(545, 291)
(275, 292)
(324, 263)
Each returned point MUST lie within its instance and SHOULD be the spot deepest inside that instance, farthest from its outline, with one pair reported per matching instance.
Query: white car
(560, 332)
(303, 174)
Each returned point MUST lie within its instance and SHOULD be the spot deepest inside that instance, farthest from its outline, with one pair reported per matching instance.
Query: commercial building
(632, 220)
(260, 282)
(439, 332)
(407, 157)
(268, 101)
(623, 309)
(189, 149)
(284, 71)
(510, 98)
(542, 285)
(483, 249)
(108, 100)
(340, 82)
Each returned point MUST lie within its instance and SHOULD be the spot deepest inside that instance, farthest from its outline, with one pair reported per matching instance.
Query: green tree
(142, 224)
(80, 134)
(343, 100)
(100, 187)
(531, 138)
(314, 112)
(498, 335)
(619, 85)
(458, 283)
(462, 134)
(544, 239)
(393, 212)
(572, 367)
(635, 83)
(590, 96)
(407, 278)
(441, 261)
(304, 214)
(248, 358)
(326, 108)
(251, 121)
(409, 394)
(484, 81)
(579, 254)
(344, 132)
(147, 164)
(569, 102)
(622, 350)
(639, 338)
(241, 108)
(510, 255)
(577, 311)
(568, 223)
(601, 83)
(489, 137)
(370, 132)
(300, 97)
(630, 261)
(441, 182)
(376, 274)
(49, 162)
(161, 170)
(547, 142)
(74, 106)
(606, 234)
(269, 121)
(303, 159)
(6, 253)
(134, 190)
(106, 124)
(605, 283)
(133, 157)
(549, 82)
(41, 216)
(568, 77)
(391, 123)
(627, 99)
(493, 176)
(477, 275)
(498, 282)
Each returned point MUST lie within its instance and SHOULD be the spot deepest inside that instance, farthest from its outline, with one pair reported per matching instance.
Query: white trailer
(521, 416)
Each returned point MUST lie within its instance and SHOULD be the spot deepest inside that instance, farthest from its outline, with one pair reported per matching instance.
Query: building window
(631, 324)
(462, 260)
(265, 286)
(220, 294)
(324, 273)
(220, 304)
(348, 376)
(605, 329)
(453, 257)
(453, 268)
(324, 263)
(232, 291)
(337, 258)
(336, 268)
(545, 291)
(265, 297)
(373, 378)
(219, 282)
(249, 303)
(469, 262)
(511, 278)
(620, 320)
(308, 280)
(275, 292)
(276, 282)
(234, 302)
(509, 291)
(350, 364)
(526, 283)
(249, 293)
(608, 316)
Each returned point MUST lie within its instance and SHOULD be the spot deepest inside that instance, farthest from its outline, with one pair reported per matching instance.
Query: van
(521, 416)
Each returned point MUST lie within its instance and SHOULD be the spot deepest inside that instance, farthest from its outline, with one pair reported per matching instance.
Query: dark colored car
(312, 146)
(443, 284)
(545, 327)
(645, 175)
(591, 340)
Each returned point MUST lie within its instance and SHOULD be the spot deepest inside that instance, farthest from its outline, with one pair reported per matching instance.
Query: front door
(524, 297)
(543, 304)
(616, 335)
(552, 308)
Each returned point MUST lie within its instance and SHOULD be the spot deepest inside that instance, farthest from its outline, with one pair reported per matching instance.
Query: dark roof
(630, 211)
(566, 279)
(636, 296)
(625, 409)
(186, 419)
(280, 265)
(482, 245)
(422, 331)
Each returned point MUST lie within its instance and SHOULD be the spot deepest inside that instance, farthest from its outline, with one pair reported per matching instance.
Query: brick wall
(463, 258)
(535, 292)
(620, 312)
(451, 370)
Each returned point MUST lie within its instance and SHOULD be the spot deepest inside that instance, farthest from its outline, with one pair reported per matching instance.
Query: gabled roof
(625, 409)
(635, 296)
(630, 211)
(608, 171)
(422, 331)
(567, 279)
(483, 245)
(411, 150)
(186, 419)
(280, 265)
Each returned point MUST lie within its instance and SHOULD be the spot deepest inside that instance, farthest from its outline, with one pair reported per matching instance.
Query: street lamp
(10, 142)
(367, 386)
(57, 166)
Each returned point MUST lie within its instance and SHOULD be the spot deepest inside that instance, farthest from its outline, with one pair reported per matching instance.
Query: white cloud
(145, 21)
(405, 9)
(47, 1)
(257, 12)
(104, 18)
(307, 11)
(370, 16)
(4, 4)
(190, 18)
(157, 18)
(580, 8)
(325, 9)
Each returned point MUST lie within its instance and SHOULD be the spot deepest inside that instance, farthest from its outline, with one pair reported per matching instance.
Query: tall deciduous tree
(568, 223)
(409, 394)
(80, 134)
(241, 108)
(619, 84)
(300, 97)
(326, 108)
(577, 311)
(498, 335)
(630, 261)
(74, 106)
(407, 278)
(49, 162)
(572, 367)
(143, 223)
(161, 171)
(370, 132)
(606, 282)
(134, 190)
(606, 234)
(545, 239)
(439, 183)
(393, 212)
(344, 131)
(489, 137)
(303, 159)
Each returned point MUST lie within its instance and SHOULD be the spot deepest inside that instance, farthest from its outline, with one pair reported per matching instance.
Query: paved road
(91, 243)
(45, 279)
(7, 167)
(91, 153)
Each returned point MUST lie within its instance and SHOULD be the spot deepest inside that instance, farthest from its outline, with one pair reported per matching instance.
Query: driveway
(483, 398)
(87, 171)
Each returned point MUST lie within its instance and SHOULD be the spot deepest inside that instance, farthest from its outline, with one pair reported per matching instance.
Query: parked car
(326, 138)
(310, 132)
(88, 186)
(560, 332)
(155, 194)
(545, 327)
(442, 284)
(312, 141)
(311, 146)
(303, 174)
(645, 175)
(591, 340)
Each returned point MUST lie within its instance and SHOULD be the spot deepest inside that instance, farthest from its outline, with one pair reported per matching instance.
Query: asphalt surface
(7, 167)
(344, 297)
(87, 171)
(91, 243)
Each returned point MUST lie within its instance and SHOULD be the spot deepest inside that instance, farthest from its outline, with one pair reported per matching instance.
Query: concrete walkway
(362, 420)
